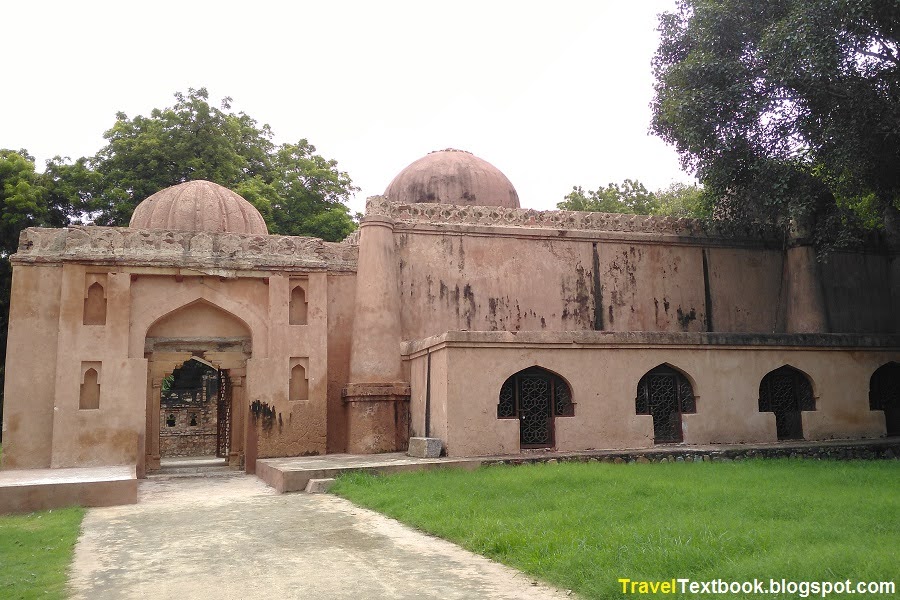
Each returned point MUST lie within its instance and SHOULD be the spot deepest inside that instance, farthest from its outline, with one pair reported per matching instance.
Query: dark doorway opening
(535, 396)
(884, 394)
(665, 393)
(786, 392)
(195, 407)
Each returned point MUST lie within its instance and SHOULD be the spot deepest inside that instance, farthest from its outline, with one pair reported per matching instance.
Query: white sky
(553, 94)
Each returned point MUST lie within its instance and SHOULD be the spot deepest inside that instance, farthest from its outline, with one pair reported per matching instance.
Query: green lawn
(583, 526)
(35, 552)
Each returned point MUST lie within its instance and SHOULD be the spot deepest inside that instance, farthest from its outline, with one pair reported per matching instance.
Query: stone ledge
(42, 489)
(577, 339)
(375, 391)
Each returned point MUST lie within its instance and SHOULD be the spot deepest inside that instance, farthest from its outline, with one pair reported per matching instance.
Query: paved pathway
(235, 538)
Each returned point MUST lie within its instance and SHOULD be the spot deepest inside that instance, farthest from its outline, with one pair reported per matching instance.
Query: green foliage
(35, 551)
(631, 197)
(682, 200)
(787, 108)
(25, 201)
(582, 526)
(297, 191)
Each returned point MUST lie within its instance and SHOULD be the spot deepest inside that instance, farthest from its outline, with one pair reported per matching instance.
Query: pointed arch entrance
(786, 392)
(884, 394)
(197, 357)
(535, 396)
(665, 393)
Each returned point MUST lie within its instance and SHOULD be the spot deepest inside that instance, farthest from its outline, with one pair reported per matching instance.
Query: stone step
(319, 486)
(194, 471)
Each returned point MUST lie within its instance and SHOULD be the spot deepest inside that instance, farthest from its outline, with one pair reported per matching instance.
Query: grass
(583, 526)
(35, 552)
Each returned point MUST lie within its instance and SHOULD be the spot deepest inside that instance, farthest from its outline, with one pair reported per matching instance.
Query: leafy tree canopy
(788, 108)
(631, 197)
(297, 191)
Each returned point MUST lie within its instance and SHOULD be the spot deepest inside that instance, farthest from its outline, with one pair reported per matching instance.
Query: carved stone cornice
(496, 216)
(185, 249)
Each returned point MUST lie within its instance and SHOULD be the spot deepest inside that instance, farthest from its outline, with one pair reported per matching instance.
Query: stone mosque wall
(447, 298)
(499, 269)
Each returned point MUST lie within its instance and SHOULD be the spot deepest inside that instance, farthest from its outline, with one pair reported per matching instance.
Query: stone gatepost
(377, 397)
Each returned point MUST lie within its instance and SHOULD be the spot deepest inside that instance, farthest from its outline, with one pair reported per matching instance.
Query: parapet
(182, 249)
(574, 221)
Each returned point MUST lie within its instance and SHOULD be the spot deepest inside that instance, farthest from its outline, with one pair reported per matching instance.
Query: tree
(24, 202)
(787, 108)
(631, 197)
(682, 200)
(297, 191)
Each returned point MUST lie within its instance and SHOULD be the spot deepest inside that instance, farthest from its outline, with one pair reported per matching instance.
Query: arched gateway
(197, 358)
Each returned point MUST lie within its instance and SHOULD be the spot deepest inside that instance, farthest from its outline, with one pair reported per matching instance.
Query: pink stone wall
(31, 352)
(603, 375)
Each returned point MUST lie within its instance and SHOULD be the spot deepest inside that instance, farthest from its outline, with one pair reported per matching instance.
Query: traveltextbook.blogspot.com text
(802, 589)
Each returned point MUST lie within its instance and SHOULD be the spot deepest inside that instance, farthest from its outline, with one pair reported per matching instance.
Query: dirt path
(234, 538)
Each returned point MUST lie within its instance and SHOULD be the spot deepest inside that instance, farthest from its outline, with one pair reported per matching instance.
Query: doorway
(665, 394)
(786, 392)
(535, 397)
(194, 411)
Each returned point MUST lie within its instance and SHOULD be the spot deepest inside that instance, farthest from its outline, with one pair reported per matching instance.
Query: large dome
(453, 177)
(198, 206)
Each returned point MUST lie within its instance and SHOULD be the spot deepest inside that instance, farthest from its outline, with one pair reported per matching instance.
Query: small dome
(453, 177)
(198, 206)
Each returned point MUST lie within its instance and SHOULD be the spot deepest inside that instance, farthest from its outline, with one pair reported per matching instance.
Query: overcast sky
(553, 94)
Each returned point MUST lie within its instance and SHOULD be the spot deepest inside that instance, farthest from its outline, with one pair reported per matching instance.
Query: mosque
(452, 314)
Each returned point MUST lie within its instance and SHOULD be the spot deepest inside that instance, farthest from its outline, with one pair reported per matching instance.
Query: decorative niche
(299, 386)
(299, 305)
(95, 299)
(89, 393)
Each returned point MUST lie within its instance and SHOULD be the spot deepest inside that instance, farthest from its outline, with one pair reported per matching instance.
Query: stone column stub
(377, 398)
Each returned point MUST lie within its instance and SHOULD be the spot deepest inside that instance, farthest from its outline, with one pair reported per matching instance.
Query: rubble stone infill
(888, 449)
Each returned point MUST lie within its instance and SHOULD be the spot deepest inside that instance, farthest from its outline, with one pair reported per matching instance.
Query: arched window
(786, 392)
(535, 396)
(89, 396)
(884, 394)
(665, 393)
(298, 306)
(95, 306)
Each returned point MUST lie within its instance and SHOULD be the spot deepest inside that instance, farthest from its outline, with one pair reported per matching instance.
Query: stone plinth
(377, 417)
(424, 447)
(43, 489)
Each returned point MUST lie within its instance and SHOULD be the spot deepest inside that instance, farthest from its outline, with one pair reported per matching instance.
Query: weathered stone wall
(31, 355)
(496, 269)
(183, 438)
